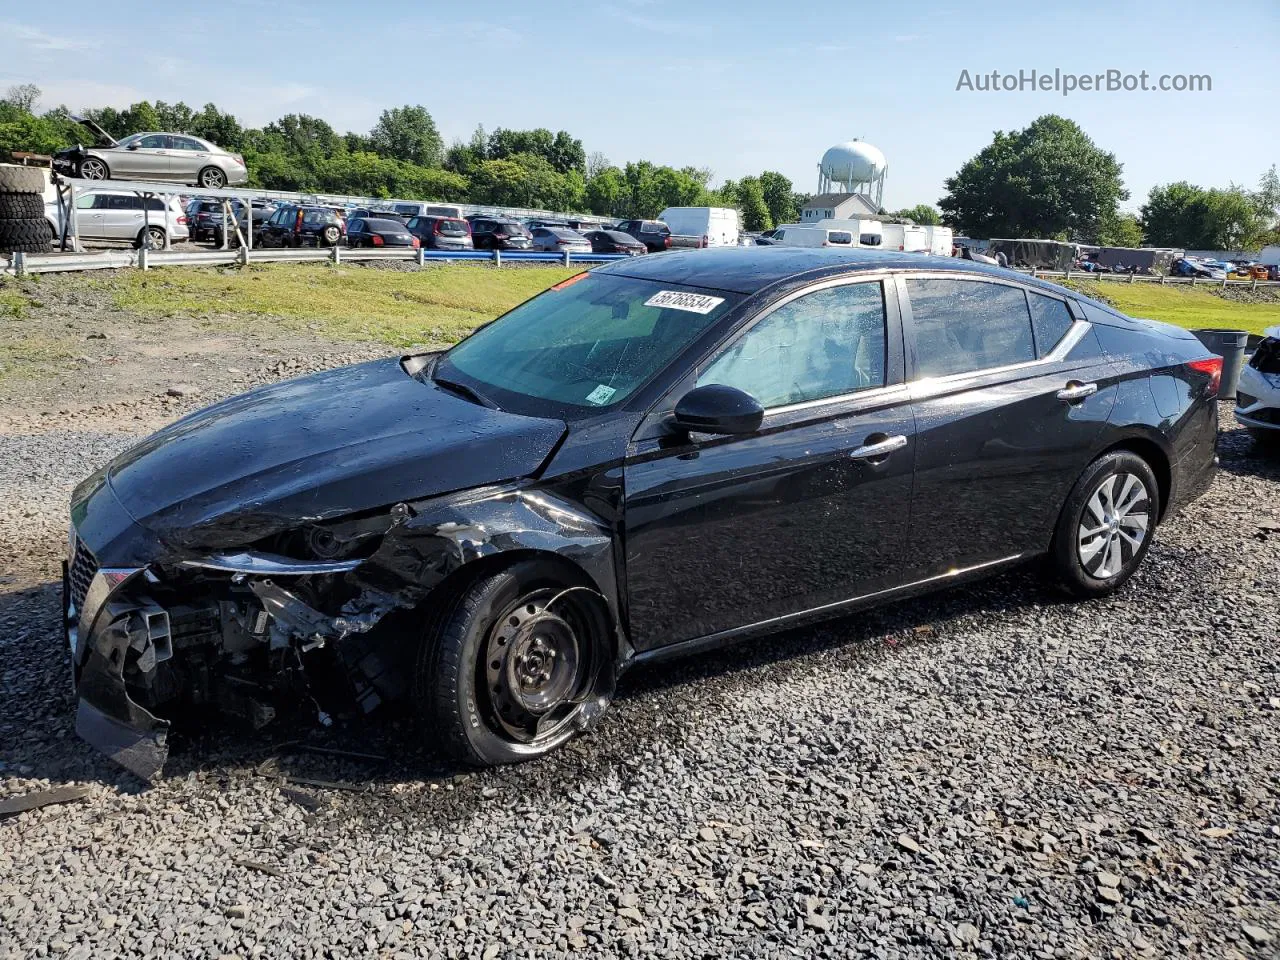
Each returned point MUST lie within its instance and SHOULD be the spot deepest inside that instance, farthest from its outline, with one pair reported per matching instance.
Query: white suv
(112, 215)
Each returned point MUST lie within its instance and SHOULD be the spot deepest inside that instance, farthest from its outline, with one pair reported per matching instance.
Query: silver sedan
(175, 157)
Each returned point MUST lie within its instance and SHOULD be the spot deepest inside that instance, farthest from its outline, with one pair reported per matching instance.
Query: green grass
(431, 306)
(13, 304)
(1185, 306)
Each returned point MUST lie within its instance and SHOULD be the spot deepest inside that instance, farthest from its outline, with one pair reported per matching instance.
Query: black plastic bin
(1230, 346)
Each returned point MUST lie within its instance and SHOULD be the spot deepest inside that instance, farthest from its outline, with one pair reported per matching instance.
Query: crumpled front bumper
(102, 637)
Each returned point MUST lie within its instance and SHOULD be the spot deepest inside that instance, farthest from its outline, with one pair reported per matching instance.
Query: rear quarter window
(964, 326)
(1050, 321)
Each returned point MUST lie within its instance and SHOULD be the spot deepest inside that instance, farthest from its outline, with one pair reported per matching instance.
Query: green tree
(922, 213)
(607, 193)
(174, 118)
(303, 137)
(1047, 180)
(755, 212)
(409, 134)
(779, 198)
(222, 128)
(1184, 215)
(1121, 230)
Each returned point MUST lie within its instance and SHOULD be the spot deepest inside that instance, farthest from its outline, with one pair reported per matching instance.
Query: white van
(905, 237)
(718, 225)
(940, 240)
(814, 236)
(407, 210)
(867, 233)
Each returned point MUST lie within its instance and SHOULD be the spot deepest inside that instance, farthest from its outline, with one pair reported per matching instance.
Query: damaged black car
(651, 458)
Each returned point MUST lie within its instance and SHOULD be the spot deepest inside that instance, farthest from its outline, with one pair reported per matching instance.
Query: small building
(837, 206)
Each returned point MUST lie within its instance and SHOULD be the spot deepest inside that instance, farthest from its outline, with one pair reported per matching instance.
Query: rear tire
(514, 666)
(212, 178)
(151, 237)
(1106, 526)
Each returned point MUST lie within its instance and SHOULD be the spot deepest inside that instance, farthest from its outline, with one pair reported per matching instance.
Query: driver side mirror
(132, 146)
(716, 408)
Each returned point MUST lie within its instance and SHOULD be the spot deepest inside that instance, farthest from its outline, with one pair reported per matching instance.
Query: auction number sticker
(677, 300)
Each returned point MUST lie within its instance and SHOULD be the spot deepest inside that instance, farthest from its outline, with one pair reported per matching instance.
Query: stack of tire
(23, 228)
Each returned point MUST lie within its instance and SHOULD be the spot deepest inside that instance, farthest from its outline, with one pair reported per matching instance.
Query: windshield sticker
(691, 302)
(601, 394)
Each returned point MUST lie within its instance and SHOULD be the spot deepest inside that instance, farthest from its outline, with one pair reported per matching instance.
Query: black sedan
(371, 232)
(615, 241)
(653, 458)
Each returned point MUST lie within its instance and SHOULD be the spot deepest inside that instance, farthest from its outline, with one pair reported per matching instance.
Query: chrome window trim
(870, 394)
(928, 385)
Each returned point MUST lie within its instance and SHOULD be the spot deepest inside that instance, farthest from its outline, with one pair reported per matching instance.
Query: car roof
(750, 269)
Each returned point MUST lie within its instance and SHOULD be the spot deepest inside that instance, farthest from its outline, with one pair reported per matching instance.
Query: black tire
(19, 232)
(1268, 441)
(482, 640)
(1105, 508)
(330, 236)
(15, 179)
(212, 178)
(45, 247)
(93, 168)
(21, 206)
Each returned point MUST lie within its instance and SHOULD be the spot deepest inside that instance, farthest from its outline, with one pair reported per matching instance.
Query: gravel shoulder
(988, 772)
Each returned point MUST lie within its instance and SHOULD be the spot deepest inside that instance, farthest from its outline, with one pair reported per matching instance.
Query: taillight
(238, 159)
(376, 240)
(1213, 367)
(500, 236)
(182, 219)
(436, 228)
(666, 241)
(415, 242)
(297, 224)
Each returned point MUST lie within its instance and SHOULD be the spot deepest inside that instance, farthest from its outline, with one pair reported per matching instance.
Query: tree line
(1047, 181)
(404, 156)
(1051, 181)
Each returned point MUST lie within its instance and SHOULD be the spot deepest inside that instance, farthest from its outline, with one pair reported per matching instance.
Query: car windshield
(589, 342)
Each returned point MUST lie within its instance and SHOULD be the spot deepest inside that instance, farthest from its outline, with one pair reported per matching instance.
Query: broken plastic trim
(300, 620)
(270, 565)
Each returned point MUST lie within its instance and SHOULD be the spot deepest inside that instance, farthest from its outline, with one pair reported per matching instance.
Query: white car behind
(1258, 393)
(119, 215)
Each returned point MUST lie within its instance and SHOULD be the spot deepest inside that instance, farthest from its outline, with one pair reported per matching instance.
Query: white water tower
(853, 167)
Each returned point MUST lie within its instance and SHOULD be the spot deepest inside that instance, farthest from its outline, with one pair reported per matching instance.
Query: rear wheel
(151, 237)
(1105, 529)
(331, 235)
(515, 667)
(212, 178)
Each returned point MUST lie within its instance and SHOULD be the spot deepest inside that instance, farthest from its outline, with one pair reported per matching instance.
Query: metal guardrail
(1141, 278)
(23, 264)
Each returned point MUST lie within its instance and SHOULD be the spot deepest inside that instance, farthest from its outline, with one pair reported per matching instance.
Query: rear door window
(963, 326)
(1050, 321)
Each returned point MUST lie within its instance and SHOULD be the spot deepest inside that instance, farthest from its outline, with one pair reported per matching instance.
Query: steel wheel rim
(534, 668)
(93, 170)
(1114, 524)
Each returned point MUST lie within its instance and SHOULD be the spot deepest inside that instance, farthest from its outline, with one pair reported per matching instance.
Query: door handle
(1075, 390)
(881, 448)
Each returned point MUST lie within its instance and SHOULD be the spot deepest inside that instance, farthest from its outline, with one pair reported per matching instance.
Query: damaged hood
(104, 139)
(324, 446)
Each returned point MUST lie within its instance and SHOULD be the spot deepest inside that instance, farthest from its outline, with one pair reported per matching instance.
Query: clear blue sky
(736, 86)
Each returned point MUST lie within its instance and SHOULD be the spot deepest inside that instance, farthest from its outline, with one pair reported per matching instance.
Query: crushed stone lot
(987, 772)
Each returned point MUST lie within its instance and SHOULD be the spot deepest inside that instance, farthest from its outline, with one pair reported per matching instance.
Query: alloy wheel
(1113, 525)
(212, 178)
(534, 667)
(92, 169)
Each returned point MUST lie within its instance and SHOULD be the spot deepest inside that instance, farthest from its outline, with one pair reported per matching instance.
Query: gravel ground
(987, 772)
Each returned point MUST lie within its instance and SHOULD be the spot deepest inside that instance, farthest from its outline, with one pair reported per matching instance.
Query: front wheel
(91, 168)
(1106, 526)
(515, 667)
